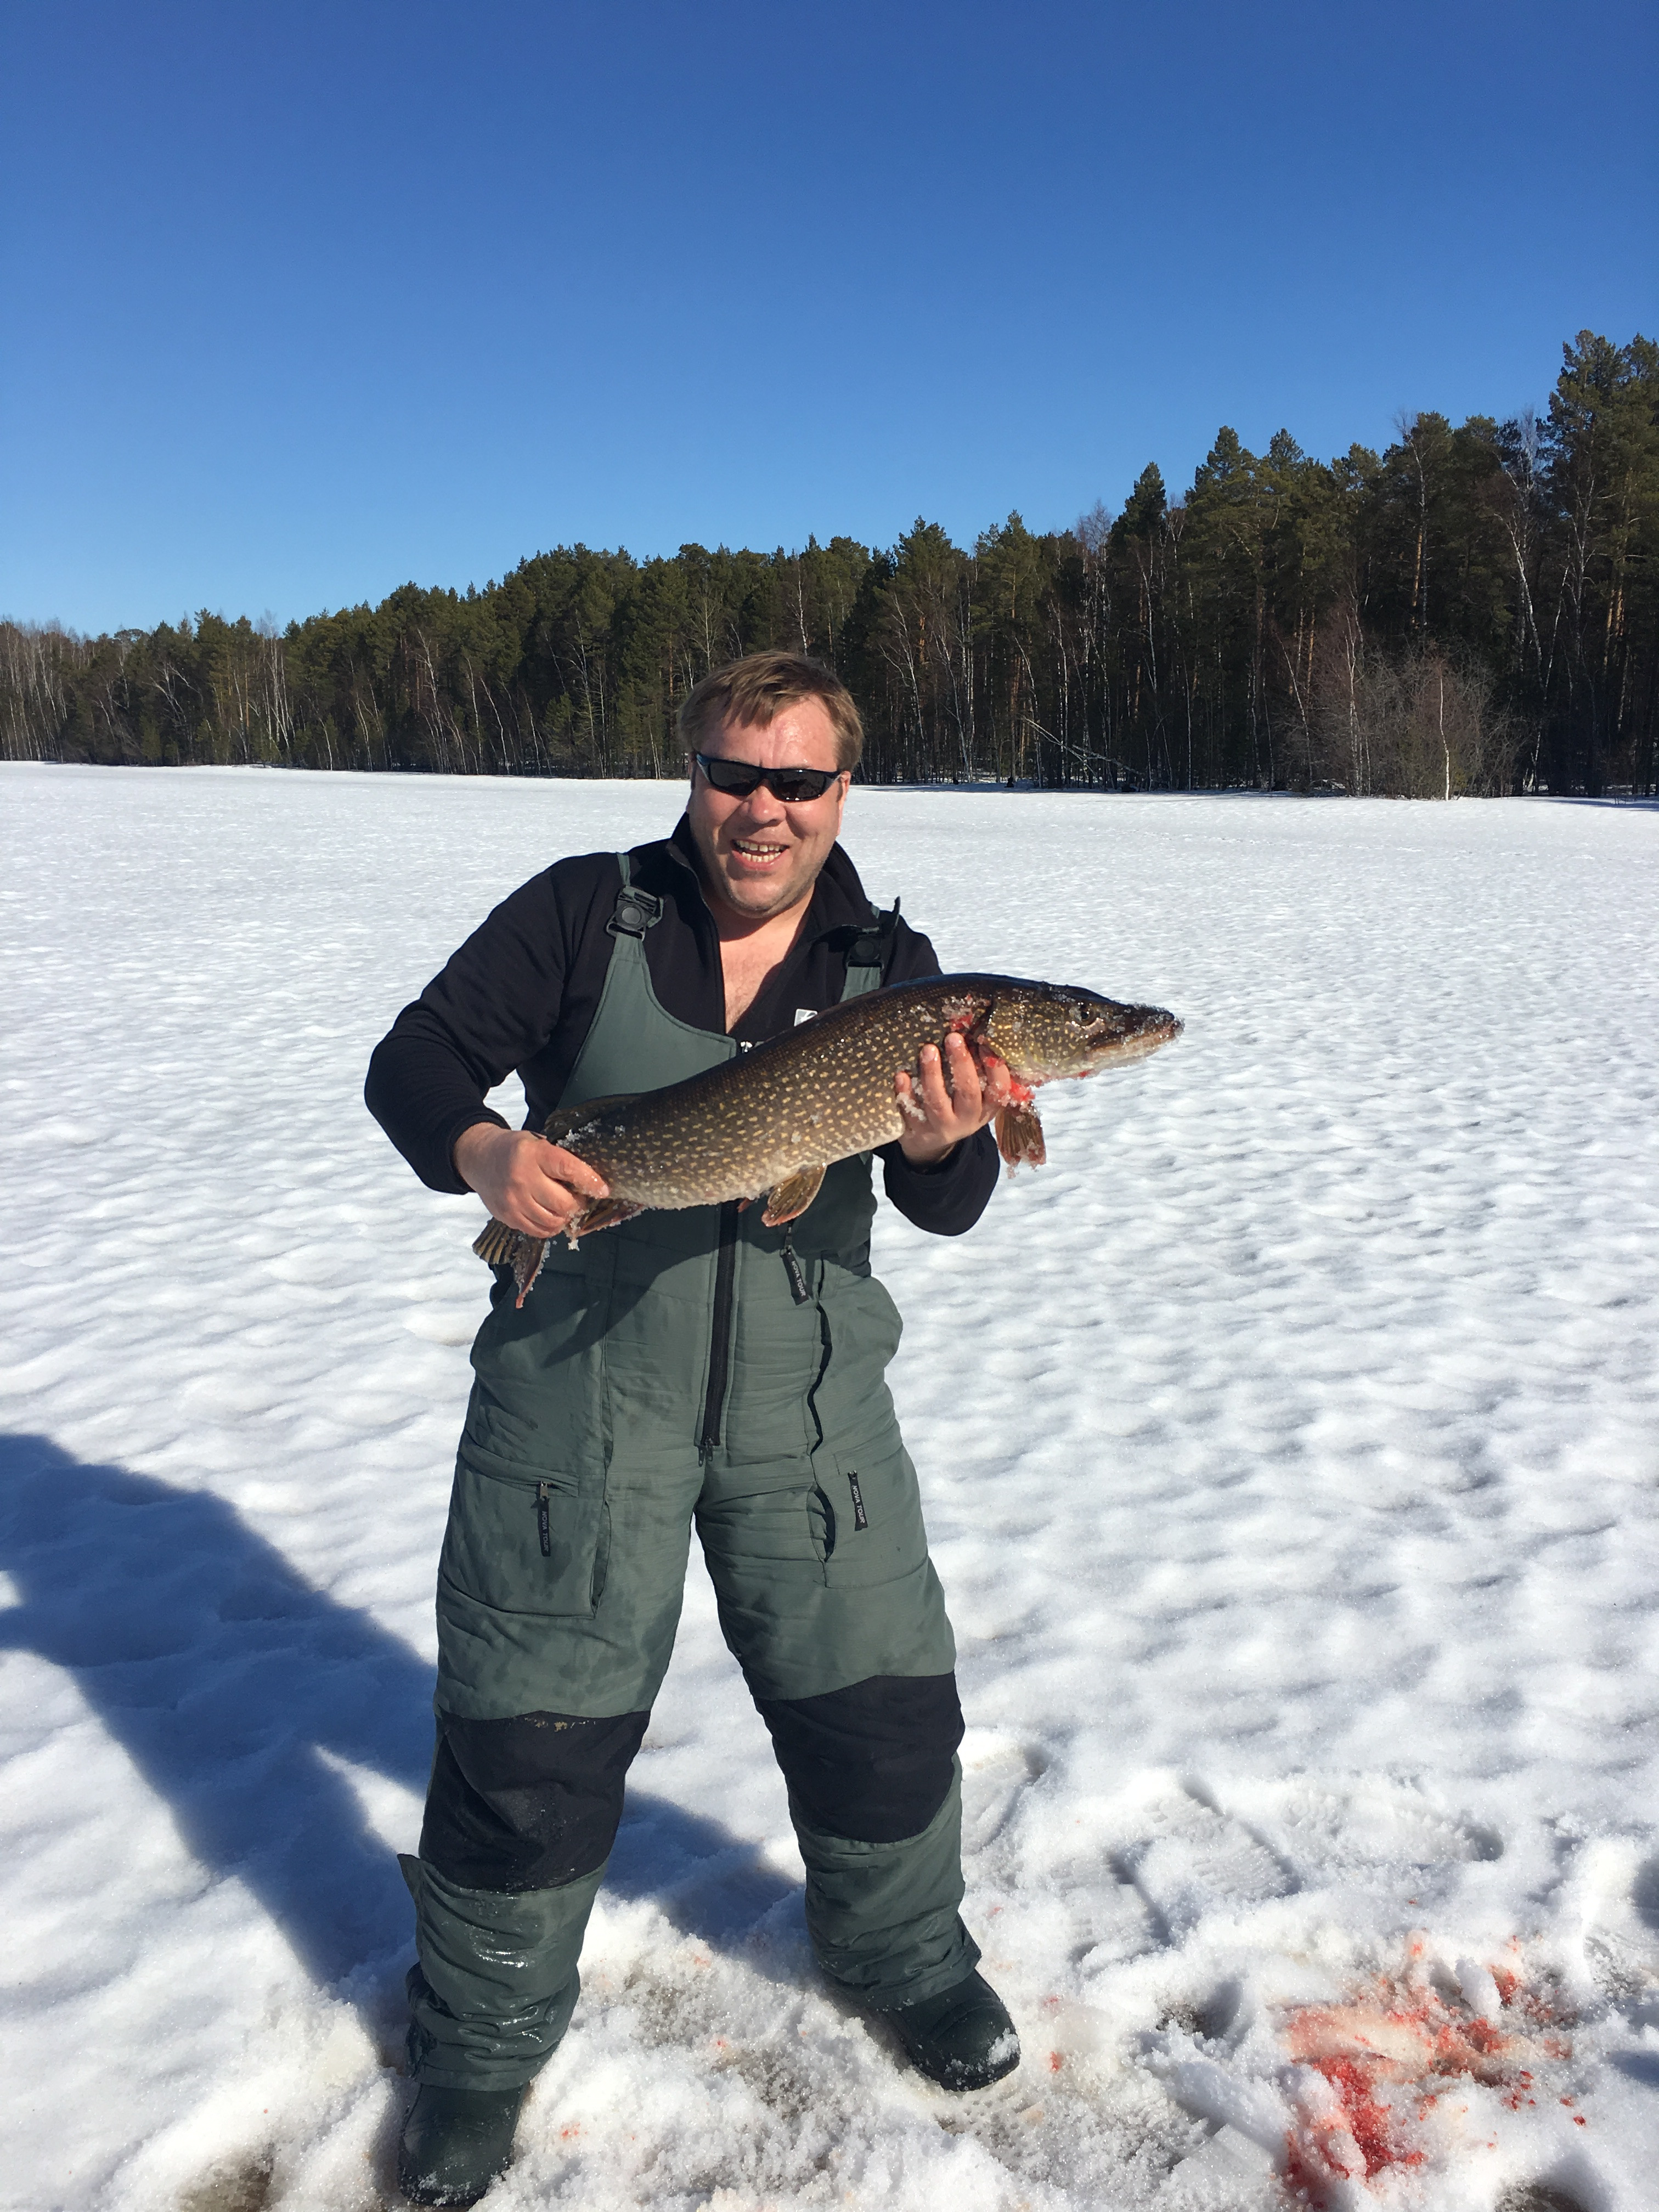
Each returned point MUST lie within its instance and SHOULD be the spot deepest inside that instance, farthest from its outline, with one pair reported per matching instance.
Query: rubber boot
(963, 2038)
(456, 2143)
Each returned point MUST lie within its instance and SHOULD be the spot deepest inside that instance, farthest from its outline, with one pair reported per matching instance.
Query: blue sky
(301, 302)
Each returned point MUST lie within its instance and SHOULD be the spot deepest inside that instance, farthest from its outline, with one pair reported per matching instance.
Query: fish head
(1046, 1032)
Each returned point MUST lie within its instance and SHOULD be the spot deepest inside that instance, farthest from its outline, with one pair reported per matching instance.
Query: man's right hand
(528, 1183)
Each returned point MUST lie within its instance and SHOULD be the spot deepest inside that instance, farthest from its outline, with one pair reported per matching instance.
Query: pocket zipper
(543, 1529)
(861, 1518)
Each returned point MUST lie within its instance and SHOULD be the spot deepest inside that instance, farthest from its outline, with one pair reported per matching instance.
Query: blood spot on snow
(1056, 2060)
(1396, 2035)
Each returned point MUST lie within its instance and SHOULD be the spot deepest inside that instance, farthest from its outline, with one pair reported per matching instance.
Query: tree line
(1474, 610)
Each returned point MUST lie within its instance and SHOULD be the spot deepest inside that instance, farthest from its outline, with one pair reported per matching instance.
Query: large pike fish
(771, 1120)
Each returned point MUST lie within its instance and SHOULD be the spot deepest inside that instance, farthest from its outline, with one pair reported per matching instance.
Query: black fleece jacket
(522, 992)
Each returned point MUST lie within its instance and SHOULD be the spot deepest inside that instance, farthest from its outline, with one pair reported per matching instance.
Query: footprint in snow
(997, 1771)
(1193, 1861)
(1327, 1832)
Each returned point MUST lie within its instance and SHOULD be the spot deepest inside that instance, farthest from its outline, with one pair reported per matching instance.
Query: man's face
(759, 856)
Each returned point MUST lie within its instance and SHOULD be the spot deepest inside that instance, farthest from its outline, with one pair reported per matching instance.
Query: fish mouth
(1126, 1033)
(1147, 1027)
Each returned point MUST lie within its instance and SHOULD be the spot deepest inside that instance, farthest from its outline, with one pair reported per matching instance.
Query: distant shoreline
(1475, 612)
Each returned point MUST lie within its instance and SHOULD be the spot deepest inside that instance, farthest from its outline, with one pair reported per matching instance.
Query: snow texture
(1289, 1451)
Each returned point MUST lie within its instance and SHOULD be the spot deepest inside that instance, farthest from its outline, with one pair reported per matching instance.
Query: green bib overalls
(682, 1367)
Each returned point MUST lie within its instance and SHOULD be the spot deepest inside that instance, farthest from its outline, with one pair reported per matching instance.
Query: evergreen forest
(1473, 611)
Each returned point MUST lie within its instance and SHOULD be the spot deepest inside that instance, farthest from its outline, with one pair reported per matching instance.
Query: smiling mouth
(756, 854)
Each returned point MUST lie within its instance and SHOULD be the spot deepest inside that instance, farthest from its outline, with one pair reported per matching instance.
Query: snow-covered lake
(1290, 1450)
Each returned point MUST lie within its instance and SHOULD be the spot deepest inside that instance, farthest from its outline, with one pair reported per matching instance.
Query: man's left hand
(948, 1102)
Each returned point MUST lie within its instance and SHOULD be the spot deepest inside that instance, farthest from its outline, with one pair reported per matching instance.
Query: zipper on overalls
(719, 1348)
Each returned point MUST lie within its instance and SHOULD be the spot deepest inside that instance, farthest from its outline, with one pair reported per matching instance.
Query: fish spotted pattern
(773, 1120)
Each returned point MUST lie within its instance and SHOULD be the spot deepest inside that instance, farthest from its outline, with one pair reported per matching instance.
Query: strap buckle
(873, 945)
(633, 913)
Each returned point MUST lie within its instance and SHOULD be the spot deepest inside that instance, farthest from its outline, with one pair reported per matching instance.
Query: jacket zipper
(719, 1349)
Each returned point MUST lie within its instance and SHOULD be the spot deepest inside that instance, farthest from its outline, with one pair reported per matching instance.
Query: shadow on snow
(228, 1681)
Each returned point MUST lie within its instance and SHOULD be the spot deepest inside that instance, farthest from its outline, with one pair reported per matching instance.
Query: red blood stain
(1056, 2060)
(1390, 2034)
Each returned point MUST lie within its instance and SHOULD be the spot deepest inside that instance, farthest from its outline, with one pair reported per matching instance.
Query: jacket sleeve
(492, 1006)
(948, 1199)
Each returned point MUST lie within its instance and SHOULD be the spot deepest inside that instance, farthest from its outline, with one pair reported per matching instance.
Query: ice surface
(1289, 1448)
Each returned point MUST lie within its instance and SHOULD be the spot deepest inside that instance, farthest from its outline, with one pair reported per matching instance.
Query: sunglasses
(794, 786)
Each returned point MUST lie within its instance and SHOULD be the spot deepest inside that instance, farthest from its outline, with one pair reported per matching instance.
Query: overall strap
(871, 951)
(635, 911)
(633, 1043)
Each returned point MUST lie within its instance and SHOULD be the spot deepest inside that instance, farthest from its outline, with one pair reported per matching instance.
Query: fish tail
(510, 1248)
(497, 1243)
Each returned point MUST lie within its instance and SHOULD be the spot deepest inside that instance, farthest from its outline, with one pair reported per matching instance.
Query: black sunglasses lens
(792, 784)
(736, 776)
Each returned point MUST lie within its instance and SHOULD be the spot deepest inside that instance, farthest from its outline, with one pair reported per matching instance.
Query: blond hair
(751, 692)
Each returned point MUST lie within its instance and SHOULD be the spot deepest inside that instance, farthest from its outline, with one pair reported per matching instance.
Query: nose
(760, 811)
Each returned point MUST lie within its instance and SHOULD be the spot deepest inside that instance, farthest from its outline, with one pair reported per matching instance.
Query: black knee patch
(527, 1803)
(873, 1762)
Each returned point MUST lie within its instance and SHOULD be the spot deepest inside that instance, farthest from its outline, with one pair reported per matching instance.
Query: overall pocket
(530, 1542)
(865, 1515)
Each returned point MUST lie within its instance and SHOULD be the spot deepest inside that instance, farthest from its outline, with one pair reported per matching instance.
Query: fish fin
(510, 1248)
(603, 1213)
(1019, 1135)
(563, 1119)
(497, 1243)
(788, 1199)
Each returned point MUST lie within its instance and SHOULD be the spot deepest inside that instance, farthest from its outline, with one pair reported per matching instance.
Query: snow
(1289, 1448)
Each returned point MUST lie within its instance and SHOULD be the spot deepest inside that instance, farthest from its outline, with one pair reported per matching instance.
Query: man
(683, 1367)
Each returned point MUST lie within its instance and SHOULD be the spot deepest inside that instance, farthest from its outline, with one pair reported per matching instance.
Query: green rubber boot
(963, 2038)
(456, 2143)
